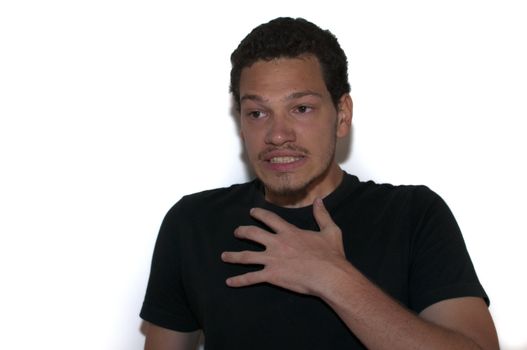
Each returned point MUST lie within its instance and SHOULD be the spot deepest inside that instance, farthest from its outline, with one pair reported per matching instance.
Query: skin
(287, 116)
(287, 113)
(159, 338)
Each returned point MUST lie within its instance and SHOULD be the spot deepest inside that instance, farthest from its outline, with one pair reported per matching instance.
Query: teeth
(284, 160)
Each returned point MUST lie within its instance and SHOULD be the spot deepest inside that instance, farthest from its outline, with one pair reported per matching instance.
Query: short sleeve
(441, 267)
(165, 302)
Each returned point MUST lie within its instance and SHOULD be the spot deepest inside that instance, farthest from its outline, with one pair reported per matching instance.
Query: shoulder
(213, 200)
(402, 195)
(383, 202)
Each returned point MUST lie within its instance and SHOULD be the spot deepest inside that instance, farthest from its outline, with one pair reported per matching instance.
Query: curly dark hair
(290, 37)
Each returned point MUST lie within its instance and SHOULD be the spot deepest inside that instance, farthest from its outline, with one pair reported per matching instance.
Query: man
(306, 256)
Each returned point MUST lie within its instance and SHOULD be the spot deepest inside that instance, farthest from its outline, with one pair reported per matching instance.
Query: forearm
(379, 321)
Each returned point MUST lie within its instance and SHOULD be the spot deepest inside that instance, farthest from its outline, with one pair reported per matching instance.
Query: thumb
(321, 215)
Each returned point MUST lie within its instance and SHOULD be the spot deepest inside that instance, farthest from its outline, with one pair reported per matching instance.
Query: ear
(344, 115)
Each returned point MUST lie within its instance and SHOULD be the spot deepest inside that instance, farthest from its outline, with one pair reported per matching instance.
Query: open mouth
(284, 160)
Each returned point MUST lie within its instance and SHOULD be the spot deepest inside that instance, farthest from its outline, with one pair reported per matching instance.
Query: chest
(378, 247)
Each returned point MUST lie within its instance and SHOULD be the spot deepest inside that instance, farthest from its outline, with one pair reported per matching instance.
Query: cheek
(251, 144)
(252, 135)
(317, 134)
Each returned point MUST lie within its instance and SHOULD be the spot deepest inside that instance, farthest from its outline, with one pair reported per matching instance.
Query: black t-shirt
(403, 238)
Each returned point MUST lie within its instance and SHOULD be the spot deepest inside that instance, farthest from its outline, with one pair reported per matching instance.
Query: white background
(112, 110)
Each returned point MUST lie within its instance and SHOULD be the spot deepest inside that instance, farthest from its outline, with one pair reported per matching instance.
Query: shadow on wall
(342, 152)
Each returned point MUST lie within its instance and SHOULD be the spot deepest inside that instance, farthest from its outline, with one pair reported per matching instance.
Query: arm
(468, 315)
(315, 264)
(159, 338)
(382, 323)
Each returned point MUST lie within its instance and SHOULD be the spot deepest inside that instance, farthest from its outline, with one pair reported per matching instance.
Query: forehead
(283, 76)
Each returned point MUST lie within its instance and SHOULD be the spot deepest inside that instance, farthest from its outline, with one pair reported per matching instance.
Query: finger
(243, 257)
(255, 234)
(275, 222)
(322, 216)
(246, 279)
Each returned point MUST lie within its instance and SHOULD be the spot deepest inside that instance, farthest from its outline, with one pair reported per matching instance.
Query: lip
(281, 153)
(283, 161)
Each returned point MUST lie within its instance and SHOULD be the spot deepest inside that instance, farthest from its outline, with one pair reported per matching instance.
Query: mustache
(293, 148)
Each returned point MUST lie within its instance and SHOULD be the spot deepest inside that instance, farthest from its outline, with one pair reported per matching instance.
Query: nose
(280, 131)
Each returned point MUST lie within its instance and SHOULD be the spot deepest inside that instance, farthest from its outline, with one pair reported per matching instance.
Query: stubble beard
(289, 186)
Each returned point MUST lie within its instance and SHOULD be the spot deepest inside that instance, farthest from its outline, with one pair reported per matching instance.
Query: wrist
(335, 280)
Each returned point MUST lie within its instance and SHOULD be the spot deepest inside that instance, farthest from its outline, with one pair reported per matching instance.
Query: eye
(303, 109)
(256, 114)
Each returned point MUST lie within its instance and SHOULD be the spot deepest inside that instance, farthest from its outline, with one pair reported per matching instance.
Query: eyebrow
(256, 98)
(300, 94)
(292, 96)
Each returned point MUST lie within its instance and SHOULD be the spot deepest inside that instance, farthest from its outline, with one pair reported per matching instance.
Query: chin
(286, 184)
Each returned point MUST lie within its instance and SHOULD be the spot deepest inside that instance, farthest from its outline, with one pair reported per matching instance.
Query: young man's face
(289, 125)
